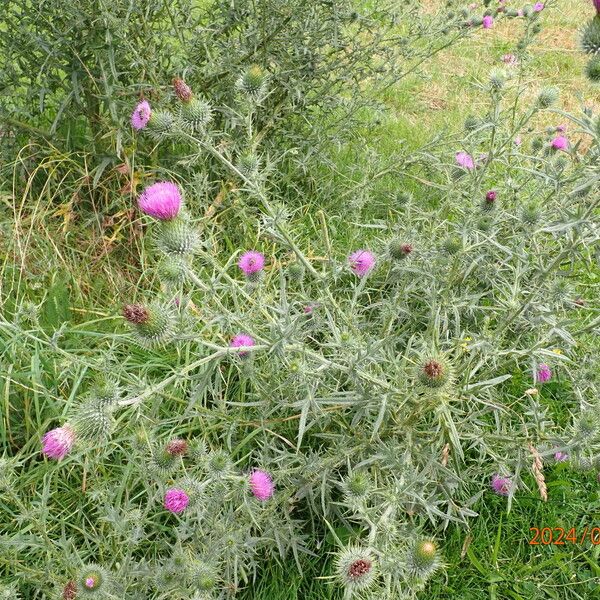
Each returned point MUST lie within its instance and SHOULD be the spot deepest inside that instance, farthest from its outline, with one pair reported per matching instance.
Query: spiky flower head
(422, 559)
(162, 124)
(57, 443)
(538, 7)
(261, 485)
(253, 82)
(93, 580)
(173, 269)
(218, 464)
(357, 485)
(197, 450)
(404, 197)
(203, 576)
(176, 447)
(537, 144)
(242, 340)
(355, 568)
(561, 456)
(487, 22)
(177, 238)
(309, 308)
(434, 372)
(105, 389)
(501, 485)
(497, 79)
(196, 114)
(587, 424)
(560, 142)
(152, 325)
(543, 373)
(251, 263)
(296, 272)
(464, 160)
(141, 115)
(136, 314)
(362, 262)
(93, 421)
(176, 500)
(69, 591)
(592, 69)
(248, 164)
(161, 462)
(161, 200)
(547, 97)
(489, 201)
(472, 123)
(531, 213)
(182, 90)
(590, 36)
(452, 244)
(400, 249)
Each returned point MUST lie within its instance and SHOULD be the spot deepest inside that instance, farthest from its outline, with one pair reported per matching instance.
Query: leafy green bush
(69, 69)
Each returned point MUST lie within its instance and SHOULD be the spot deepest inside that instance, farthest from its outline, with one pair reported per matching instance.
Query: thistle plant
(381, 379)
(590, 44)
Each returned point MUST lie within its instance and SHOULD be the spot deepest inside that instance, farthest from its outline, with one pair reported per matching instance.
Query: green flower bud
(151, 325)
(590, 37)
(422, 560)
(592, 69)
(195, 114)
(547, 97)
(177, 237)
(162, 124)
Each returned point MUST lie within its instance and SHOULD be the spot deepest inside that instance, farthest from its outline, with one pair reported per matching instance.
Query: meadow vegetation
(299, 299)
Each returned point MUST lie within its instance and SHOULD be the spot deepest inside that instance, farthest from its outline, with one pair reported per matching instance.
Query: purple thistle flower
(70, 591)
(251, 262)
(362, 262)
(465, 160)
(176, 500)
(510, 59)
(501, 485)
(57, 443)
(161, 200)
(560, 142)
(543, 373)
(490, 197)
(518, 140)
(561, 456)
(538, 7)
(141, 115)
(488, 22)
(261, 484)
(90, 582)
(241, 340)
(176, 447)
